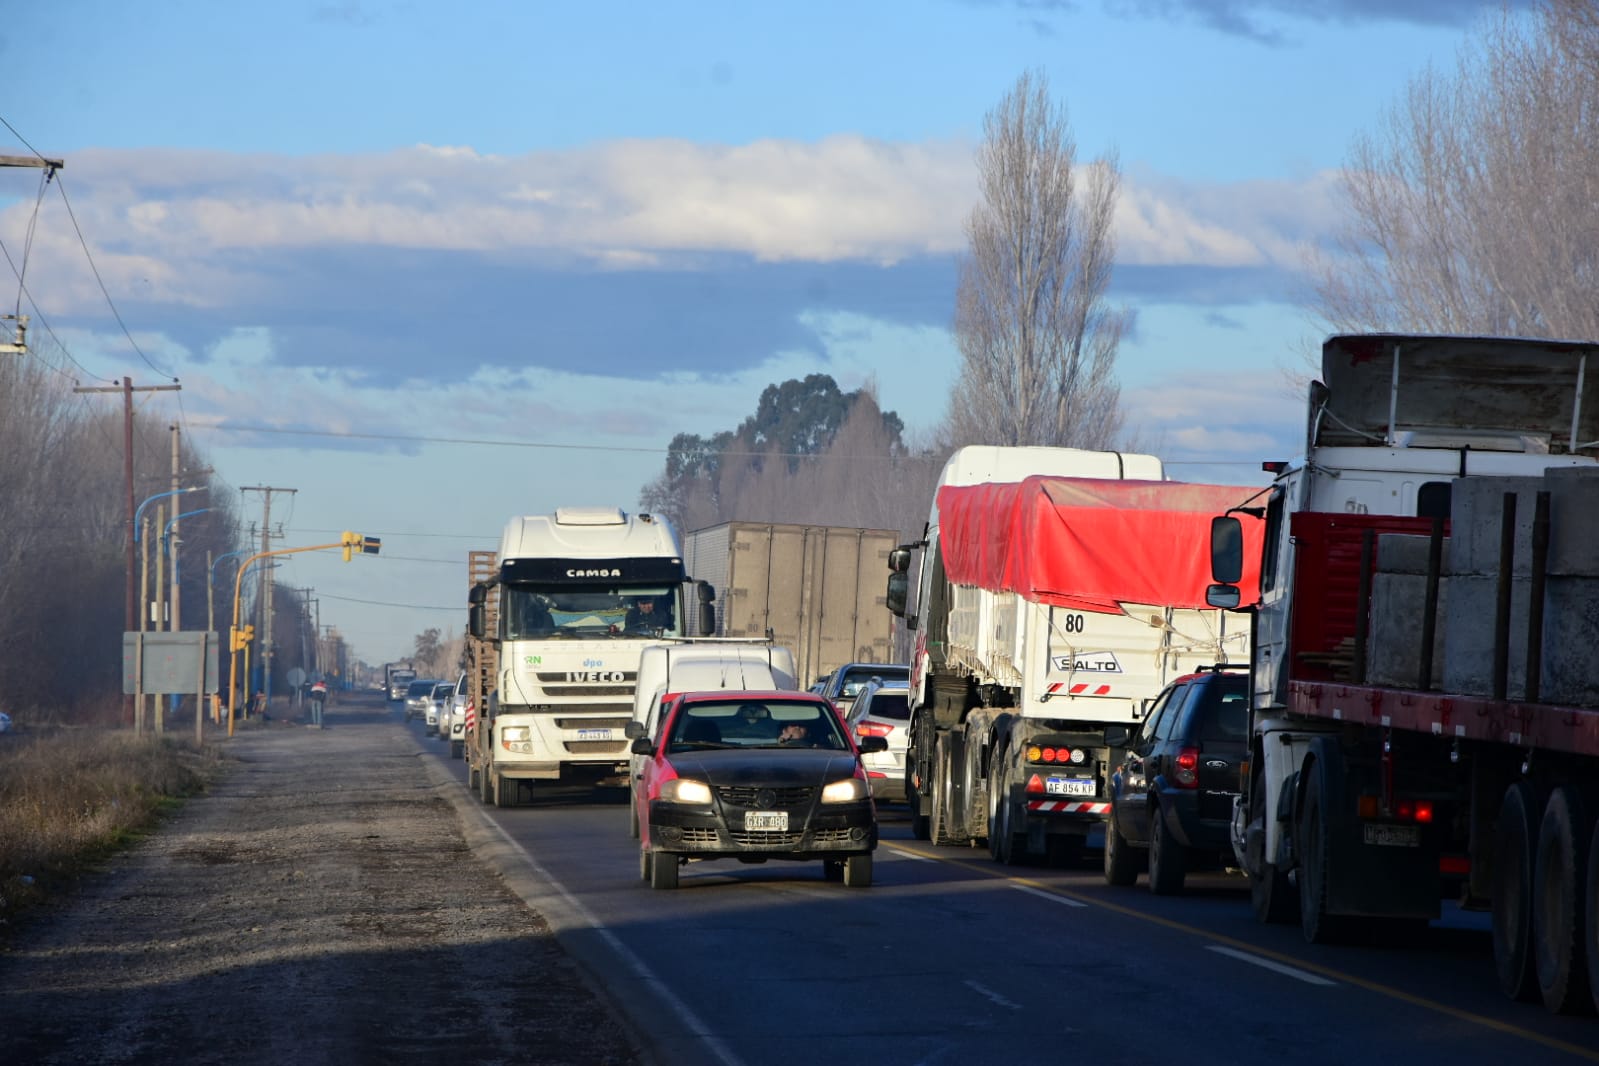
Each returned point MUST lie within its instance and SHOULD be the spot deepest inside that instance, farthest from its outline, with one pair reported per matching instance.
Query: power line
(383, 603)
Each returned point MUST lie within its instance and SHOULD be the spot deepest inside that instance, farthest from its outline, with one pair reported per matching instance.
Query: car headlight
(846, 791)
(686, 790)
(514, 733)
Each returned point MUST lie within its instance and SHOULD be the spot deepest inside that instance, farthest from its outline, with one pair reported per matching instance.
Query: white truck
(1055, 597)
(576, 597)
(1426, 706)
(699, 665)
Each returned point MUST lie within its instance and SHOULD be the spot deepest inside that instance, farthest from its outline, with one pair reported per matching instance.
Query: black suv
(1172, 799)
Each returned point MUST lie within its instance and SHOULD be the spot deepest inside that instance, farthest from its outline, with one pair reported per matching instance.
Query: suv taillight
(872, 729)
(1186, 768)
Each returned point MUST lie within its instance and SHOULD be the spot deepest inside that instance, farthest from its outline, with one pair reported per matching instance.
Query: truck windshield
(554, 612)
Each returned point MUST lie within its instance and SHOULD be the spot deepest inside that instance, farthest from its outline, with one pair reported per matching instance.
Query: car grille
(828, 837)
(746, 796)
(766, 840)
(698, 835)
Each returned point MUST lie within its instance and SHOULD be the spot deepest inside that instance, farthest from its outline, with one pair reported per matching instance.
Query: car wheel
(833, 869)
(858, 871)
(1121, 860)
(1167, 858)
(663, 870)
(644, 865)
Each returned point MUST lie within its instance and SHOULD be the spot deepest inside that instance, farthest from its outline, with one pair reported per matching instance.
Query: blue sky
(580, 229)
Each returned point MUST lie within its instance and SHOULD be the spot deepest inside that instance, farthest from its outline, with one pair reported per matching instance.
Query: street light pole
(170, 540)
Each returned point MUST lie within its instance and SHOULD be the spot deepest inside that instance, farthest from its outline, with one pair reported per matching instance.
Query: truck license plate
(772, 821)
(1070, 786)
(1394, 836)
(594, 734)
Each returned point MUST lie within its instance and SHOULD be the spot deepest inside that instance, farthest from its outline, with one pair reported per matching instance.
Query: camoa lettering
(594, 573)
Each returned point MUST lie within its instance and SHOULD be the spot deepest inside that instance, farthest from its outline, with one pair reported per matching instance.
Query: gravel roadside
(319, 904)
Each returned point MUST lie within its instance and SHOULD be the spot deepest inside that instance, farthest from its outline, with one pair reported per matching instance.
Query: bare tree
(1474, 207)
(1037, 340)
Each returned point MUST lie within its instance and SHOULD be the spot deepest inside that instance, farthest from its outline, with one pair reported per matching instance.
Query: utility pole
(130, 613)
(264, 589)
(19, 344)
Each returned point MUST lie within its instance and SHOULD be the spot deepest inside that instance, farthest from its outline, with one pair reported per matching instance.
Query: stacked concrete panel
(1570, 673)
(1477, 504)
(1398, 605)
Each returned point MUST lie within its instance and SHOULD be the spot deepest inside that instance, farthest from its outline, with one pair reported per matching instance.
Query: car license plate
(1070, 786)
(1394, 836)
(594, 734)
(770, 821)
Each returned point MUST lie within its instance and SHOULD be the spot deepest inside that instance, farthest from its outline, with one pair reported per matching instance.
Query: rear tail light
(872, 729)
(1187, 768)
(1056, 753)
(1419, 811)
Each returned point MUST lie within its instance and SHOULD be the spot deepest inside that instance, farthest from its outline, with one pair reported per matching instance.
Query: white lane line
(990, 995)
(902, 853)
(685, 1014)
(1276, 967)
(1052, 897)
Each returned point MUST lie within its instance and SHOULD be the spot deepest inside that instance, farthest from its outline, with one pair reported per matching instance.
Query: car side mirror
(633, 730)
(642, 745)
(868, 745)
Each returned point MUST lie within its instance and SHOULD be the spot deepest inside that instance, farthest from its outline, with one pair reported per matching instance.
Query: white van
(701, 666)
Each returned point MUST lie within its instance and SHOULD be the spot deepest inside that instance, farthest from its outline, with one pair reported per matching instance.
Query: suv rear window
(1223, 711)
(895, 705)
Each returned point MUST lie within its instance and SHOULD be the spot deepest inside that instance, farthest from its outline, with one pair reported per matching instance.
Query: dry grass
(70, 798)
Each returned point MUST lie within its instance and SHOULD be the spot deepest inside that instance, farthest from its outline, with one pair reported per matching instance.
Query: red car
(754, 776)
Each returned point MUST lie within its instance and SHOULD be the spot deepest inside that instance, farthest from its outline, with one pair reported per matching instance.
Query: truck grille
(592, 723)
(595, 747)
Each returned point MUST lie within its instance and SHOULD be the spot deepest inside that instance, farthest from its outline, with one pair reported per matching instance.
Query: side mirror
(1225, 597)
(641, 745)
(478, 594)
(707, 619)
(633, 730)
(1117, 736)
(707, 593)
(899, 560)
(476, 619)
(1226, 550)
(868, 745)
(898, 590)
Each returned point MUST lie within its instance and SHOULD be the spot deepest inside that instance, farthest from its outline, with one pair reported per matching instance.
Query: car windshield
(756, 724)
(440, 691)
(419, 688)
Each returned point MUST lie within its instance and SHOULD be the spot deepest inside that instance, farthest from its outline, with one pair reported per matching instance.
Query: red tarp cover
(1089, 544)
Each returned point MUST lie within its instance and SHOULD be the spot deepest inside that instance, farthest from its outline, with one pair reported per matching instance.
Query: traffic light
(242, 636)
(351, 542)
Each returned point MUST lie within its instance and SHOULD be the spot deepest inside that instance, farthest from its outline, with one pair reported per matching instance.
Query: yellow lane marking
(1204, 934)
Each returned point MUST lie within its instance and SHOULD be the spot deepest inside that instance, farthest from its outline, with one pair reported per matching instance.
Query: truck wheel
(1310, 844)
(457, 749)
(663, 870)
(632, 815)
(1121, 859)
(471, 778)
(485, 790)
(504, 791)
(939, 829)
(1270, 893)
(1558, 911)
(1591, 917)
(1515, 836)
(858, 871)
(920, 827)
(1005, 845)
(1168, 860)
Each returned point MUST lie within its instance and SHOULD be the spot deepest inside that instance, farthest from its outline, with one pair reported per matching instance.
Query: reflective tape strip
(1068, 806)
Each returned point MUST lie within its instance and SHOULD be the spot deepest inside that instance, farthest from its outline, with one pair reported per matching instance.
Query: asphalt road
(951, 958)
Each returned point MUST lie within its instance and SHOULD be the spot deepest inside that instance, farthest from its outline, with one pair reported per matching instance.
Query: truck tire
(1591, 917)
(457, 749)
(939, 829)
(858, 871)
(1121, 858)
(505, 790)
(663, 870)
(1311, 846)
(1005, 845)
(1515, 838)
(1559, 874)
(632, 814)
(921, 828)
(1168, 860)
(472, 774)
(1270, 893)
(485, 790)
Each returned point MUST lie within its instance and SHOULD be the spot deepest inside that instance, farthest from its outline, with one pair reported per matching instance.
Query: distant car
(438, 700)
(882, 709)
(1172, 799)
(452, 726)
(754, 776)
(418, 694)
(842, 684)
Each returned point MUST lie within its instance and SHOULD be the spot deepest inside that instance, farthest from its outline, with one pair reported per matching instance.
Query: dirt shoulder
(319, 904)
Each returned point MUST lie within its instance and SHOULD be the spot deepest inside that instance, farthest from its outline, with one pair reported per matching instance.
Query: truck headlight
(513, 733)
(846, 791)
(686, 790)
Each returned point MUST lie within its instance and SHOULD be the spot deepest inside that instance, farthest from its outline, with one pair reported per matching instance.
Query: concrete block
(1570, 673)
(1476, 504)
(1573, 520)
(1469, 636)
(1393, 646)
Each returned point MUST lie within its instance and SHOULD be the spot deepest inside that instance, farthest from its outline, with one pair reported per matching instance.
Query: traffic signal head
(351, 542)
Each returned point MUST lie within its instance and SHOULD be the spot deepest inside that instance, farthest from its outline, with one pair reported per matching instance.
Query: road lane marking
(992, 996)
(902, 853)
(641, 970)
(1275, 967)
(1386, 991)
(1053, 897)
